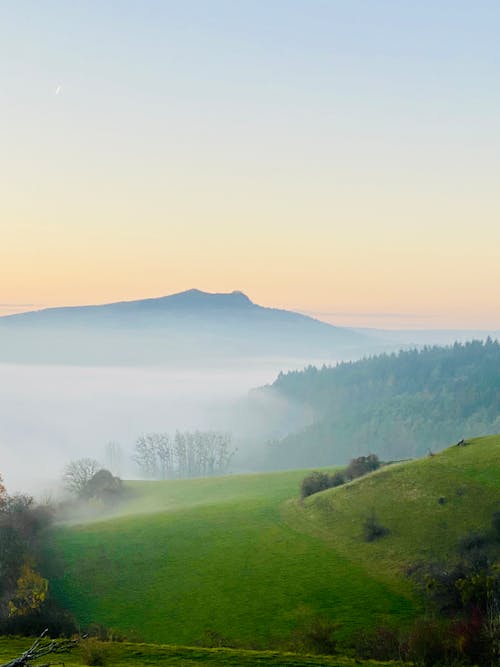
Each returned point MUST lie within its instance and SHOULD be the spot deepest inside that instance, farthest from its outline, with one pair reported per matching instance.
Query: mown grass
(142, 655)
(243, 560)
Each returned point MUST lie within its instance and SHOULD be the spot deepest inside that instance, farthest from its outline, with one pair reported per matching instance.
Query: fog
(50, 415)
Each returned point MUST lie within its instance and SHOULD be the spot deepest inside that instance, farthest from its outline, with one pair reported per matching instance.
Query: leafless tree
(113, 457)
(77, 475)
(186, 454)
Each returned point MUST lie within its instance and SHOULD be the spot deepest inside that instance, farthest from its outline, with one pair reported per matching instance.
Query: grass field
(240, 558)
(143, 655)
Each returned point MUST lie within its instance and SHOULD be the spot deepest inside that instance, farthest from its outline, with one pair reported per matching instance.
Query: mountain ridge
(187, 325)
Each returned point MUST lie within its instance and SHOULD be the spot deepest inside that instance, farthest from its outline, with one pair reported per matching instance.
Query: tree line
(397, 405)
(184, 454)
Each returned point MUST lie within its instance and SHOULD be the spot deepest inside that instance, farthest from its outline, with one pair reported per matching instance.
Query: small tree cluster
(319, 481)
(186, 454)
(23, 590)
(77, 474)
(85, 479)
(465, 592)
(362, 466)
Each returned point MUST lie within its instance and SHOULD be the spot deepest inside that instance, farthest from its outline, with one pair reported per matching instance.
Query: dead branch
(41, 647)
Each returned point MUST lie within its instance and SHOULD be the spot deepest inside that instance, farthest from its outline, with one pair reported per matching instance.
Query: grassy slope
(404, 497)
(239, 557)
(143, 655)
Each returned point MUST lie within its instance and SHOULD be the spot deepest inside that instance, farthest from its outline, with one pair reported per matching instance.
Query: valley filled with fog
(50, 415)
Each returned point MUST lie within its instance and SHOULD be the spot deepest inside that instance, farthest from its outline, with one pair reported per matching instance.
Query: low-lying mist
(50, 415)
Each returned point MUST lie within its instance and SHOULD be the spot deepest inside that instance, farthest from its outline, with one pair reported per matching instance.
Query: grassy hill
(243, 560)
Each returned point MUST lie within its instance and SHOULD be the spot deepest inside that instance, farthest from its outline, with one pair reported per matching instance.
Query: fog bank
(50, 415)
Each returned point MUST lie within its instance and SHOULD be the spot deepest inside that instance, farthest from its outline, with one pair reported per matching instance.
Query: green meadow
(242, 561)
(143, 655)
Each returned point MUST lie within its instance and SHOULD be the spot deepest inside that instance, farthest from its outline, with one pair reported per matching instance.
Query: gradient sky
(340, 158)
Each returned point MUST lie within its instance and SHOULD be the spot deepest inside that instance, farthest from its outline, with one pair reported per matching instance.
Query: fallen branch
(41, 647)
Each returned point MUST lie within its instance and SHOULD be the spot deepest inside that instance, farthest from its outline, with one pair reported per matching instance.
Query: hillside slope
(427, 505)
(242, 559)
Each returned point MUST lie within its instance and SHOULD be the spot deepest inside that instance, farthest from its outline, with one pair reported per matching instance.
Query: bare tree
(77, 474)
(145, 455)
(187, 454)
(113, 456)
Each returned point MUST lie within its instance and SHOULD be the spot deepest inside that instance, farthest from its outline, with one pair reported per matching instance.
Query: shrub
(105, 634)
(315, 635)
(382, 644)
(471, 542)
(373, 529)
(315, 482)
(337, 479)
(362, 465)
(94, 652)
(51, 617)
(104, 486)
(426, 643)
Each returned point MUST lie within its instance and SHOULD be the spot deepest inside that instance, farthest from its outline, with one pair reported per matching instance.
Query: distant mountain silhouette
(192, 326)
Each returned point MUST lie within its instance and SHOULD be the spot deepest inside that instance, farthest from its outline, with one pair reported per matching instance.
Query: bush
(319, 481)
(105, 634)
(471, 542)
(315, 635)
(337, 479)
(382, 644)
(315, 482)
(94, 652)
(362, 466)
(373, 529)
(426, 644)
(57, 621)
(104, 486)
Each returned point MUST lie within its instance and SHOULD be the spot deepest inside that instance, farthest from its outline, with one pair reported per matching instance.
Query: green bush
(362, 466)
(94, 652)
(315, 482)
(373, 529)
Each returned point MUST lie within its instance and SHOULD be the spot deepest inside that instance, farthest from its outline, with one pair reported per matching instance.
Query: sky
(337, 158)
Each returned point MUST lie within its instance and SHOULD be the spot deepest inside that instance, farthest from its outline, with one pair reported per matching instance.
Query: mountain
(191, 326)
(396, 405)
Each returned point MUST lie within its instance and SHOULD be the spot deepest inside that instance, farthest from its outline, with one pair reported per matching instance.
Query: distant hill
(396, 406)
(243, 560)
(192, 326)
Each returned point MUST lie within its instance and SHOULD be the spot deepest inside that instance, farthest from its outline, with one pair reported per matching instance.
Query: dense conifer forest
(397, 406)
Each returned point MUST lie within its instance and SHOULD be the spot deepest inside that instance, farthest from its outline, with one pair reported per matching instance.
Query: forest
(397, 405)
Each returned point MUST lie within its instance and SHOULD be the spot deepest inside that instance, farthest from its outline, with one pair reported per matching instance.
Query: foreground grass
(231, 568)
(143, 655)
(240, 560)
